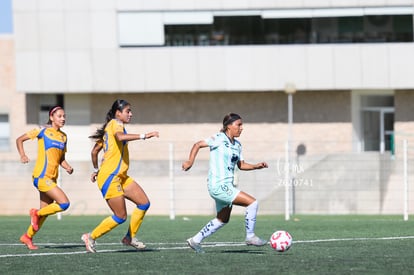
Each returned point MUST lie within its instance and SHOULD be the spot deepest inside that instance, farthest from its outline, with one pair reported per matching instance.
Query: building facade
(184, 64)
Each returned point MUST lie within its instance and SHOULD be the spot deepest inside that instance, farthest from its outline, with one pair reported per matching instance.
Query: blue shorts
(224, 194)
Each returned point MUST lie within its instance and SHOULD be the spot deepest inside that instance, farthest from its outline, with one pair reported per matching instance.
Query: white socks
(211, 227)
(215, 224)
(250, 218)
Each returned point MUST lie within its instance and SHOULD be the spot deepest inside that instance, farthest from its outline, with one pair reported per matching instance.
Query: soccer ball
(281, 241)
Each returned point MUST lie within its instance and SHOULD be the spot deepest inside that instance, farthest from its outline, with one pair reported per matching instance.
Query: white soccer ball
(281, 241)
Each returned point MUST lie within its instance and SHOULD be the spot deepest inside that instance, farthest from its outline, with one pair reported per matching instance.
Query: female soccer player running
(51, 147)
(225, 154)
(112, 177)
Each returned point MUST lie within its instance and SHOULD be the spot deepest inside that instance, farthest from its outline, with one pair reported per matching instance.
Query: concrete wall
(325, 183)
(203, 107)
(404, 121)
(72, 46)
(11, 102)
(7, 72)
(183, 118)
(326, 144)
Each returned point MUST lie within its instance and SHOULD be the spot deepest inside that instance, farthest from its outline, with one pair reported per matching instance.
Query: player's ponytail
(118, 105)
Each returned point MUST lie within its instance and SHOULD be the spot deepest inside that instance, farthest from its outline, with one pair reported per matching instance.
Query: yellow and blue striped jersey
(51, 147)
(116, 155)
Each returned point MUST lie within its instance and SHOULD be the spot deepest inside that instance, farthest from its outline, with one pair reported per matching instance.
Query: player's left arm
(65, 165)
(248, 166)
(120, 136)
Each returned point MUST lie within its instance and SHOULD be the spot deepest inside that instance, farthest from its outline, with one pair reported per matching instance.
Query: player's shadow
(67, 246)
(136, 250)
(70, 246)
(243, 251)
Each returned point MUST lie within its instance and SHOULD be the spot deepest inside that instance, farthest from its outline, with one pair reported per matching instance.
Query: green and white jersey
(224, 156)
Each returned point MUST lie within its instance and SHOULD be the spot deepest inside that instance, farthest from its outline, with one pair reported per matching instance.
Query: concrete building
(184, 64)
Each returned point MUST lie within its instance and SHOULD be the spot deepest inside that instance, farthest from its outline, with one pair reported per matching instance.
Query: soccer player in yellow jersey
(51, 153)
(112, 178)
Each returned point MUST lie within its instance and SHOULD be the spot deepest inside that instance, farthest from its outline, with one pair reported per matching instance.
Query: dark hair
(53, 110)
(229, 119)
(118, 105)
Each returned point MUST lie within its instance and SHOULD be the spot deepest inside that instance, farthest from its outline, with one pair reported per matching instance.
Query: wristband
(142, 136)
(95, 170)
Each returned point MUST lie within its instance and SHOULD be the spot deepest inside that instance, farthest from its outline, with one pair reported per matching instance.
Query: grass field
(322, 245)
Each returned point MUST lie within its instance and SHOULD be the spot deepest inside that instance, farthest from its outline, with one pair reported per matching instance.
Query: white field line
(173, 246)
(356, 239)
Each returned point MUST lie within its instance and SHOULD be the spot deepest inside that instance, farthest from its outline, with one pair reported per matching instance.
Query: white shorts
(224, 194)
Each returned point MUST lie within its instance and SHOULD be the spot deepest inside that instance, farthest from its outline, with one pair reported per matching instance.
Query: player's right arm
(193, 154)
(20, 148)
(94, 156)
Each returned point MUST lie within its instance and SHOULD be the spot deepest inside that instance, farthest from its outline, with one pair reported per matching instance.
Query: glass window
(38, 106)
(187, 35)
(350, 29)
(402, 28)
(256, 30)
(4, 132)
(238, 30)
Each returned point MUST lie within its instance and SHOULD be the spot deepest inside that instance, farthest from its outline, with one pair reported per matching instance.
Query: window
(38, 106)
(4, 132)
(377, 118)
(256, 27)
(254, 30)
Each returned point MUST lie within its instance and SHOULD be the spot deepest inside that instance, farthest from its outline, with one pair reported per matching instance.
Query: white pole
(382, 133)
(290, 121)
(172, 197)
(290, 89)
(405, 182)
(287, 183)
(59, 184)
